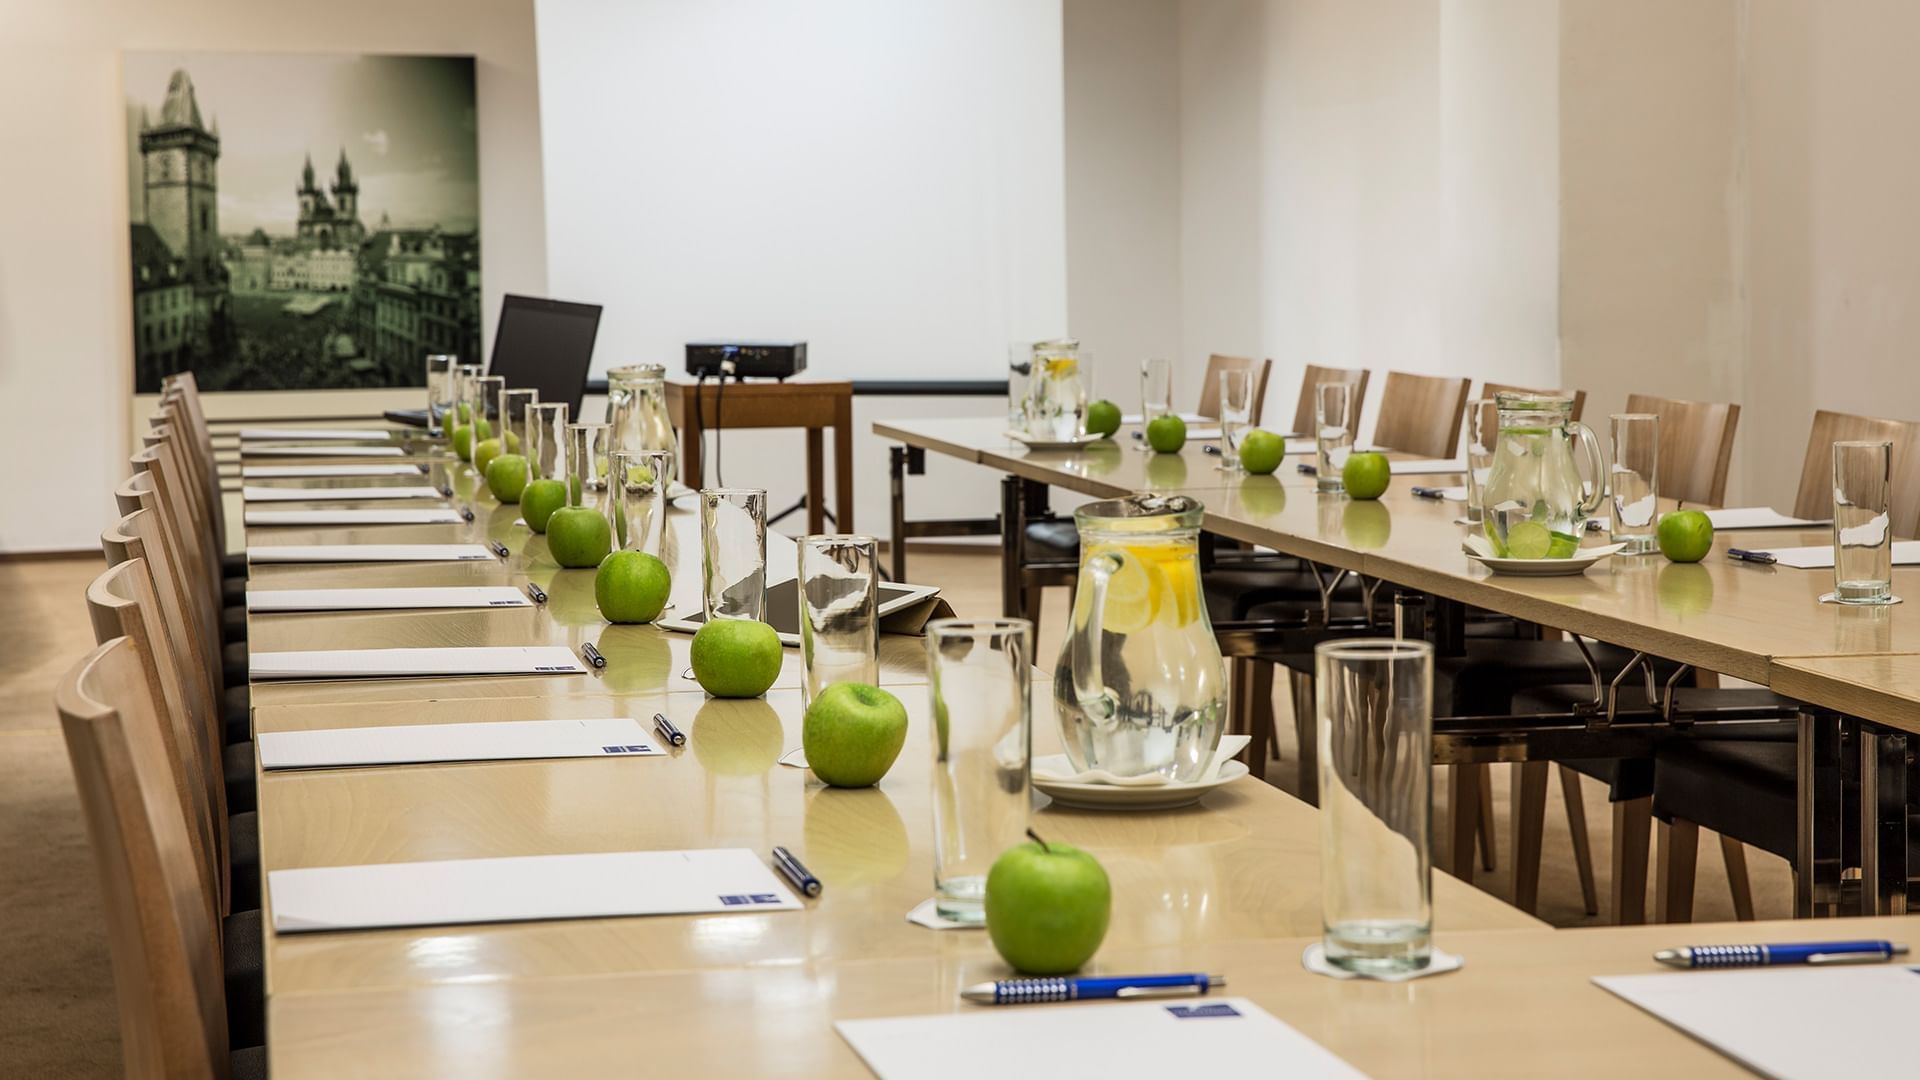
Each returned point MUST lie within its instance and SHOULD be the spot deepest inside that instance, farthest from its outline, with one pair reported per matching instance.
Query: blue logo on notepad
(1198, 1012)
(741, 900)
(623, 749)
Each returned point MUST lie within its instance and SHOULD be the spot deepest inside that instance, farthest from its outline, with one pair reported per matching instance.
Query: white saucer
(1479, 550)
(1114, 797)
(1035, 442)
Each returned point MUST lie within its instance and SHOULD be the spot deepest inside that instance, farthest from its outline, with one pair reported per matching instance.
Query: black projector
(751, 359)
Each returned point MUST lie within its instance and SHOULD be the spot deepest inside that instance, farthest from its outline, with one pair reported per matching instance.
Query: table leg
(693, 440)
(1463, 814)
(1883, 823)
(1012, 521)
(1817, 850)
(843, 463)
(816, 482)
(897, 493)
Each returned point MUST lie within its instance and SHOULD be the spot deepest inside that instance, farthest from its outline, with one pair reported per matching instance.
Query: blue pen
(1429, 493)
(1817, 952)
(1752, 556)
(1308, 470)
(1028, 991)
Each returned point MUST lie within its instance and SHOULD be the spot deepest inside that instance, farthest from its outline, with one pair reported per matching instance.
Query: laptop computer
(539, 344)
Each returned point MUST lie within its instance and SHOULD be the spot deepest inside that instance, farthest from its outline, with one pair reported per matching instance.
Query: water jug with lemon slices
(1057, 391)
(1140, 687)
(1536, 504)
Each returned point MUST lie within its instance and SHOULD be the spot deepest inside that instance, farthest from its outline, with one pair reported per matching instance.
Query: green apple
(852, 734)
(540, 500)
(512, 443)
(736, 658)
(1103, 418)
(578, 537)
(1366, 475)
(463, 442)
(466, 413)
(507, 477)
(1685, 535)
(631, 587)
(1261, 451)
(1167, 434)
(1047, 907)
(483, 454)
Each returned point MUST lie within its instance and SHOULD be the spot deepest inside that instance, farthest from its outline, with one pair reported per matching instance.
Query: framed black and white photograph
(301, 221)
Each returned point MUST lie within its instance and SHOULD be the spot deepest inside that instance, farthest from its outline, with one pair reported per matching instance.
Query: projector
(751, 359)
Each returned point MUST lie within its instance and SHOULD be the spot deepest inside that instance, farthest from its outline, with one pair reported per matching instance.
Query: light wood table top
(1885, 689)
(1523, 1006)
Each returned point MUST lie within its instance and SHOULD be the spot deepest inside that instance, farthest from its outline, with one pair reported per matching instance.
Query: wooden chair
(163, 933)
(1696, 446)
(1210, 384)
(1421, 414)
(143, 533)
(1815, 497)
(1309, 386)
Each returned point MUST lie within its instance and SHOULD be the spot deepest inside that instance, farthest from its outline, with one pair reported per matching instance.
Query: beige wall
(65, 322)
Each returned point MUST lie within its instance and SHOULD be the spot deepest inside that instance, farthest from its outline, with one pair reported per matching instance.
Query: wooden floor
(56, 996)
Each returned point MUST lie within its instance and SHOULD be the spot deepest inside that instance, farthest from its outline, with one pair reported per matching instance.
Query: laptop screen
(546, 345)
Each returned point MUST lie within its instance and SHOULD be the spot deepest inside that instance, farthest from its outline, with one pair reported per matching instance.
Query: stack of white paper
(351, 553)
(321, 451)
(290, 472)
(1426, 466)
(415, 663)
(463, 596)
(412, 744)
(1820, 557)
(1758, 517)
(338, 494)
(354, 517)
(1791, 1022)
(458, 891)
(1201, 1037)
(343, 434)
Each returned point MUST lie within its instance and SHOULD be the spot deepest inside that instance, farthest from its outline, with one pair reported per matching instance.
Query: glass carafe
(1140, 687)
(1536, 502)
(1057, 391)
(637, 411)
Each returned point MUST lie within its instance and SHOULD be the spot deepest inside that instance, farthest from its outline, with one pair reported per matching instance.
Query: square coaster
(1315, 960)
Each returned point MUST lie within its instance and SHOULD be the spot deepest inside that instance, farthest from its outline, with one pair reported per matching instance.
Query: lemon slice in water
(1528, 540)
(1133, 592)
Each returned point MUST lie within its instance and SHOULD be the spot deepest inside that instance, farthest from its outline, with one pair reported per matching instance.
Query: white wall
(65, 324)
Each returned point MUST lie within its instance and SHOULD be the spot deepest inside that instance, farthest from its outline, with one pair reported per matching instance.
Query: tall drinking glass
(1236, 415)
(463, 391)
(548, 454)
(587, 450)
(1156, 388)
(1374, 697)
(733, 552)
(639, 479)
(1634, 482)
(486, 407)
(1331, 434)
(839, 612)
(980, 674)
(516, 420)
(1483, 434)
(440, 390)
(1862, 523)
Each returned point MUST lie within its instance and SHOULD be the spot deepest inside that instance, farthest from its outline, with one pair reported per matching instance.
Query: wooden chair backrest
(139, 536)
(1420, 414)
(1210, 384)
(162, 934)
(1314, 376)
(187, 389)
(199, 579)
(122, 604)
(1696, 446)
(1815, 498)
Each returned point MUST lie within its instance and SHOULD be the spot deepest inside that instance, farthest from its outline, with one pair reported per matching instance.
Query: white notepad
(1426, 466)
(454, 892)
(1759, 517)
(322, 451)
(1791, 1023)
(353, 553)
(338, 494)
(1820, 556)
(400, 599)
(1205, 1037)
(292, 472)
(343, 434)
(354, 517)
(415, 663)
(413, 744)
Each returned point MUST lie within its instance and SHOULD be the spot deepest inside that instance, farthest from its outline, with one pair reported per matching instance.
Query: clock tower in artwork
(178, 153)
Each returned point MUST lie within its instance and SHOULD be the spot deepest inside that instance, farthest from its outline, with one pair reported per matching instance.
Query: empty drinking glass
(639, 484)
(440, 390)
(1332, 436)
(587, 450)
(463, 391)
(1862, 523)
(1374, 698)
(516, 421)
(980, 684)
(1483, 433)
(1634, 482)
(839, 612)
(1156, 388)
(1236, 415)
(548, 455)
(733, 552)
(485, 403)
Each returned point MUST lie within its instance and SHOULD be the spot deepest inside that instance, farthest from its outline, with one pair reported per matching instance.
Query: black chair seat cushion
(237, 763)
(1052, 540)
(248, 1063)
(233, 624)
(1633, 778)
(243, 854)
(236, 714)
(233, 663)
(233, 564)
(1743, 788)
(245, 958)
(233, 590)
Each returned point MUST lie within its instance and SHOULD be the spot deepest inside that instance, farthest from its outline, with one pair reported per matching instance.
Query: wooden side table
(815, 406)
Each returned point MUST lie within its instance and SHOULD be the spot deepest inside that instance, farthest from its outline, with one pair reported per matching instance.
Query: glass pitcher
(1140, 687)
(1056, 391)
(1536, 503)
(637, 411)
